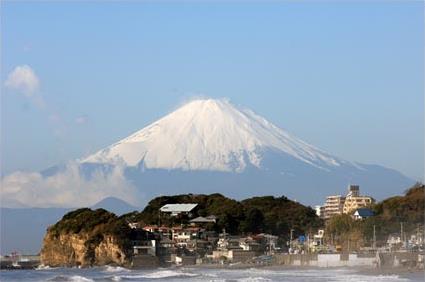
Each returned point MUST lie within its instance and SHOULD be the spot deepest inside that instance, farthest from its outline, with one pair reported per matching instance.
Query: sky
(347, 77)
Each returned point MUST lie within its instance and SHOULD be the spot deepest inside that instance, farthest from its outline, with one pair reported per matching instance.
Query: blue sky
(346, 77)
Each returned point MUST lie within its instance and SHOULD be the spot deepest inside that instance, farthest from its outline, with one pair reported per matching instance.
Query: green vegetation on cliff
(96, 225)
(276, 215)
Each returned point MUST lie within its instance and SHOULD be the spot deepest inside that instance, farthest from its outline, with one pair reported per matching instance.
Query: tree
(253, 222)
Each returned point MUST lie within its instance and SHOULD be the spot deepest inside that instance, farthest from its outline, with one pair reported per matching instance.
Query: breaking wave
(161, 274)
(113, 269)
(73, 278)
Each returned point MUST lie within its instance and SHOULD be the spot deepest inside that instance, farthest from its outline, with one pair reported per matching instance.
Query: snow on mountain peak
(209, 134)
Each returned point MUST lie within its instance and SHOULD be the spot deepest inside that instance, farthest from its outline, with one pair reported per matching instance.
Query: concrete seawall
(398, 259)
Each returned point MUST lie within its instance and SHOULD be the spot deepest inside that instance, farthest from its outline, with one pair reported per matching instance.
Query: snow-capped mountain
(210, 146)
(209, 135)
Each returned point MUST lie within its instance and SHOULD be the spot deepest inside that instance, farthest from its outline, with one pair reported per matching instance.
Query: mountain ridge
(209, 145)
(209, 134)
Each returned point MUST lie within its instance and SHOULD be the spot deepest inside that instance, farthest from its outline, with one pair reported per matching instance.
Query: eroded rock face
(81, 250)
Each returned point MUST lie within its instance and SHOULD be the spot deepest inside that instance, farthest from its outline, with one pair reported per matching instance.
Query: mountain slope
(114, 205)
(209, 135)
(209, 146)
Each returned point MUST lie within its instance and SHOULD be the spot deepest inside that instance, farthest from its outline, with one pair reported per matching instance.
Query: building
(354, 200)
(176, 209)
(362, 213)
(316, 244)
(268, 242)
(249, 244)
(337, 204)
(145, 248)
(334, 206)
(182, 236)
(394, 242)
(204, 220)
(320, 211)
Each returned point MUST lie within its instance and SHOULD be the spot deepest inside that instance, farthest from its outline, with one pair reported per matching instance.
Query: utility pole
(374, 237)
(401, 233)
(290, 240)
(308, 242)
(270, 245)
(159, 218)
(348, 245)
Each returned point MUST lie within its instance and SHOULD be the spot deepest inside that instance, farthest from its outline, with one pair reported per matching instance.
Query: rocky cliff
(76, 250)
(85, 237)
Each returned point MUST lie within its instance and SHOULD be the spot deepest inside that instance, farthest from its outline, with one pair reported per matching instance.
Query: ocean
(109, 273)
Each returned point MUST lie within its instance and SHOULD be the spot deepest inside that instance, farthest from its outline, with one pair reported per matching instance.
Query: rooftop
(177, 208)
(364, 212)
(201, 219)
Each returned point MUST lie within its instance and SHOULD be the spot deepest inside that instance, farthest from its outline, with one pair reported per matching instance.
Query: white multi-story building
(338, 204)
(334, 206)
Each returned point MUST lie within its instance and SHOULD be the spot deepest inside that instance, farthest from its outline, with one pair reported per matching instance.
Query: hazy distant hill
(117, 206)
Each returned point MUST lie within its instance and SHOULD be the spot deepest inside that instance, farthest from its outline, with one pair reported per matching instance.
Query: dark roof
(365, 212)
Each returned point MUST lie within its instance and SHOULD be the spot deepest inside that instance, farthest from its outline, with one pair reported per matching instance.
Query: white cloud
(81, 120)
(66, 188)
(24, 80)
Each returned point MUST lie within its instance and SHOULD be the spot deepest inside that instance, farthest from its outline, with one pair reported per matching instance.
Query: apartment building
(354, 200)
(334, 205)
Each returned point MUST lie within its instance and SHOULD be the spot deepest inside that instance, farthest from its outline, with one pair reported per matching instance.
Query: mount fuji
(206, 146)
(209, 146)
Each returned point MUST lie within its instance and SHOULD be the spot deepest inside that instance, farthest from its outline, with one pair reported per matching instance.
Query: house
(362, 213)
(268, 242)
(151, 228)
(181, 236)
(394, 241)
(204, 220)
(249, 244)
(145, 248)
(228, 243)
(176, 209)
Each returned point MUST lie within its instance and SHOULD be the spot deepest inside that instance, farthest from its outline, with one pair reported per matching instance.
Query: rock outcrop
(85, 238)
(77, 250)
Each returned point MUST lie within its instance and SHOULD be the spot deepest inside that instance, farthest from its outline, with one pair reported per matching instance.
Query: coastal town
(193, 244)
(182, 236)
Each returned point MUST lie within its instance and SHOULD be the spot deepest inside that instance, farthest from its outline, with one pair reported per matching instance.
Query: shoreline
(365, 269)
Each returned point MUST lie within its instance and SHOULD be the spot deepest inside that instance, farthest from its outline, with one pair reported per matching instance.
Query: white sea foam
(205, 274)
(161, 274)
(44, 267)
(113, 269)
(254, 279)
(73, 278)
